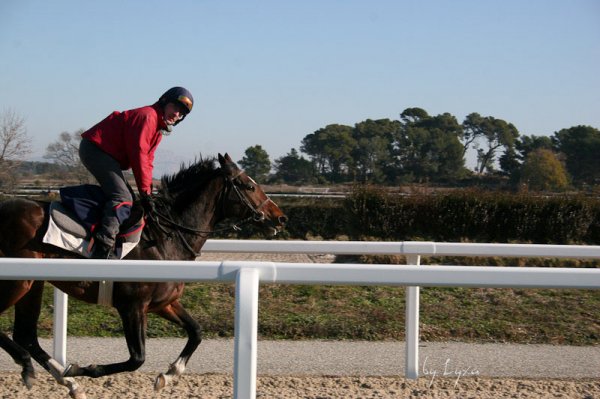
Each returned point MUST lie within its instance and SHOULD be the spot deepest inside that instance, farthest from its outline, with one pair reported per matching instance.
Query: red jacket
(131, 138)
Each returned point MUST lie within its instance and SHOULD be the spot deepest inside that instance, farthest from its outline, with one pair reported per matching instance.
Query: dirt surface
(219, 386)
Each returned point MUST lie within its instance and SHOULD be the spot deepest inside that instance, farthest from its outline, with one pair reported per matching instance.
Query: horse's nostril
(283, 219)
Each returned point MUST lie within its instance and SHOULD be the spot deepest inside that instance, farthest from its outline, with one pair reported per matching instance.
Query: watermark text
(448, 370)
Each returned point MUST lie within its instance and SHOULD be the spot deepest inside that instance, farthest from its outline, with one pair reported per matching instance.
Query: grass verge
(543, 316)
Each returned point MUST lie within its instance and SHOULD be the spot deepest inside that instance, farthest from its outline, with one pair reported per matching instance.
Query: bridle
(163, 219)
(234, 183)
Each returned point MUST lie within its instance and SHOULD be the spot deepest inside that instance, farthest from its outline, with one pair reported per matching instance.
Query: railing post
(61, 300)
(412, 325)
(246, 333)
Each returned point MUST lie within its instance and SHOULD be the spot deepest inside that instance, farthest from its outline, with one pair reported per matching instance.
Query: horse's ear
(226, 160)
(227, 164)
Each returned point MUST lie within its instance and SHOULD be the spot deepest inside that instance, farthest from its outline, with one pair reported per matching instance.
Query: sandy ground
(219, 386)
(332, 369)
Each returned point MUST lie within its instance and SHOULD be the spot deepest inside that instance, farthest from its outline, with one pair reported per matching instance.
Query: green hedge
(466, 215)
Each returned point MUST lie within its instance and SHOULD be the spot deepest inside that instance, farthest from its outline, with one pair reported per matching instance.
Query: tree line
(416, 148)
(421, 148)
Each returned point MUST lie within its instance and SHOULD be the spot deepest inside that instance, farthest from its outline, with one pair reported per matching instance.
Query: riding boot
(104, 236)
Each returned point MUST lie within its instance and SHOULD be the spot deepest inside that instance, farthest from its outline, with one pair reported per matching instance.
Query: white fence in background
(248, 275)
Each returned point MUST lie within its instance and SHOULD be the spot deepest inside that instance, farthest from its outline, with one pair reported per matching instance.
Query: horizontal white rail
(300, 273)
(248, 275)
(423, 248)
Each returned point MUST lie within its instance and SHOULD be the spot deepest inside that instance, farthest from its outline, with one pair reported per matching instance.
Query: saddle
(71, 221)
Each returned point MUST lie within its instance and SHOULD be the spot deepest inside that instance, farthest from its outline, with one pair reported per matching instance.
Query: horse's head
(247, 199)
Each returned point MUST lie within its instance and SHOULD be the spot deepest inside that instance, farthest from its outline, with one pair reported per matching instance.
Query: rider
(127, 140)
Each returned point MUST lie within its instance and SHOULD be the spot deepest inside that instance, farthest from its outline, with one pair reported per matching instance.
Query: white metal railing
(248, 275)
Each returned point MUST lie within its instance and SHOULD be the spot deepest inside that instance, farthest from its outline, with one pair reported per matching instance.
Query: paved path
(348, 357)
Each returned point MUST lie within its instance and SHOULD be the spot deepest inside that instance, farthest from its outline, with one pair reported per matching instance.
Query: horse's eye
(250, 187)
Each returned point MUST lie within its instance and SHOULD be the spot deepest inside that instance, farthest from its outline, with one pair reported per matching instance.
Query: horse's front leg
(177, 314)
(134, 320)
(27, 312)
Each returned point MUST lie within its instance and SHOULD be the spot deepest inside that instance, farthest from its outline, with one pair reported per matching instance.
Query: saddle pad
(63, 239)
(63, 233)
(65, 219)
(85, 202)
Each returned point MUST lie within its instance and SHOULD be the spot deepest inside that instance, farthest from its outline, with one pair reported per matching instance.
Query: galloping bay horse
(190, 204)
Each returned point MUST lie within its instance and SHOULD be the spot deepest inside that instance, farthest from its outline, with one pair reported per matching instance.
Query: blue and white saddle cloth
(73, 219)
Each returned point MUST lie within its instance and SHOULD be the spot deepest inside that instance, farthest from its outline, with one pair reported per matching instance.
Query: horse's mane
(182, 187)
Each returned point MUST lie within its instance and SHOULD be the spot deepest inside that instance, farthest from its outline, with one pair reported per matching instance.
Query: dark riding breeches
(110, 176)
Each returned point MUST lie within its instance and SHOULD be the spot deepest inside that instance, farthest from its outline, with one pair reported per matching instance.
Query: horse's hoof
(160, 382)
(77, 394)
(28, 378)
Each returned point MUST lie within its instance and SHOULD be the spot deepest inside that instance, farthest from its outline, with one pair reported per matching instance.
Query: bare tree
(15, 144)
(65, 151)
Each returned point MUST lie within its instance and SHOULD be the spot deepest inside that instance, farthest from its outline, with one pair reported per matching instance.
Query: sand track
(219, 386)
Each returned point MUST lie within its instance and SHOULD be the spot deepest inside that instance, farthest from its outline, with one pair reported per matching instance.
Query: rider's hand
(148, 203)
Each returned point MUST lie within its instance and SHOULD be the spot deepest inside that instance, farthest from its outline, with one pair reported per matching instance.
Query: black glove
(148, 204)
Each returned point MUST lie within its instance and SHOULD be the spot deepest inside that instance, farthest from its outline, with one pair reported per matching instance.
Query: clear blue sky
(271, 72)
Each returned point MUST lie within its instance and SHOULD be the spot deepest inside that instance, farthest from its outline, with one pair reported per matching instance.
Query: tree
(65, 151)
(510, 165)
(15, 144)
(330, 148)
(413, 115)
(526, 144)
(496, 134)
(581, 146)
(373, 152)
(256, 162)
(542, 170)
(511, 162)
(428, 148)
(295, 169)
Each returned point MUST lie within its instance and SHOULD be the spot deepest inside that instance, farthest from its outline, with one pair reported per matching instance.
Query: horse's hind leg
(11, 293)
(177, 314)
(21, 357)
(27, 312)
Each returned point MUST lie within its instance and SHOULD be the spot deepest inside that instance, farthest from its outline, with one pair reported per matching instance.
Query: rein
(230, 184)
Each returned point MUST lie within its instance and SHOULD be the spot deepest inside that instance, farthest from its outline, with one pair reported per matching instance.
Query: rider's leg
(108, 173)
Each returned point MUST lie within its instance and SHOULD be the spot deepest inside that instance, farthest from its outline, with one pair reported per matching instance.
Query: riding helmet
(178, 95)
